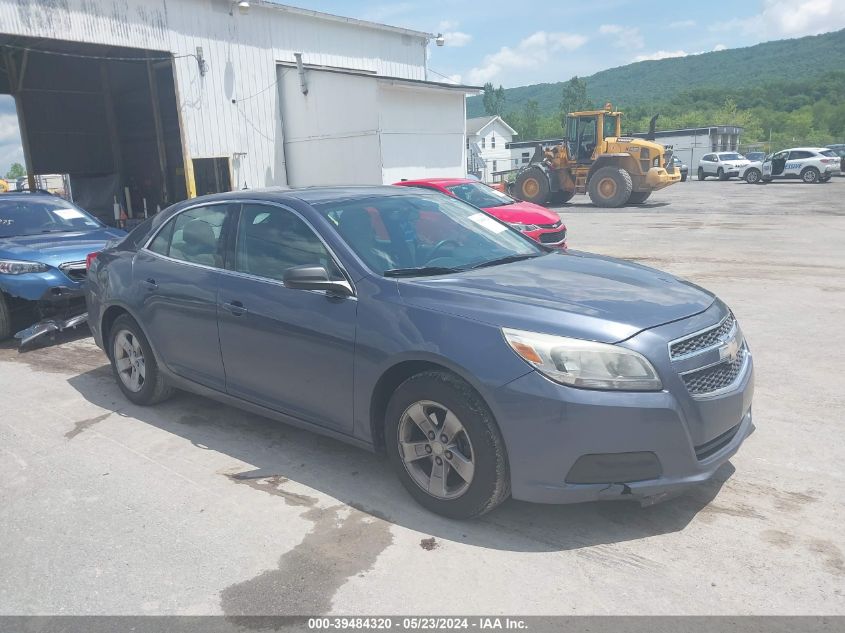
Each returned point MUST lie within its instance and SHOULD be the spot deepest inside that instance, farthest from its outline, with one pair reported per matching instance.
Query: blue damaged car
(483, 363)
(44, 243)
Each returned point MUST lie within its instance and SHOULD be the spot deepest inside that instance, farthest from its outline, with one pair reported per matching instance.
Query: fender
(604, 160)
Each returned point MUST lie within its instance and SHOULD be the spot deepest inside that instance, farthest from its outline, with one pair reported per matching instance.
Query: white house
(155, 101)
(486, 143)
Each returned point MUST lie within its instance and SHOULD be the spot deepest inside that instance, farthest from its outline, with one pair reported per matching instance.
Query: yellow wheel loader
(595, 158)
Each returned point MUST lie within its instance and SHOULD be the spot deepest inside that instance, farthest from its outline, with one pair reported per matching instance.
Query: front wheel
(610, 187)
(532, 185)
(721, 174)
(752, 176)
(638, 197)
(445, 447)
(134, 364)
(5, 319)
(701, 175)
(684, 177)
(810, 175)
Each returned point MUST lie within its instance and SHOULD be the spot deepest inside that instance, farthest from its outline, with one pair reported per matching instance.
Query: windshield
(32, 217)
(424, 234)
(730, 157)
(480, 195)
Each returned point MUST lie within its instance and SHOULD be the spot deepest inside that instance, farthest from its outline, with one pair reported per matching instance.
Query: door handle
(150, 283)
(235, 307)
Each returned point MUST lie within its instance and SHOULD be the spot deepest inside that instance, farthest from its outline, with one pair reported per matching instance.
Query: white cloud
(682, 24)
(719, 47)
(627, 36)
(531, 51)
(789, 18)
(660, 55)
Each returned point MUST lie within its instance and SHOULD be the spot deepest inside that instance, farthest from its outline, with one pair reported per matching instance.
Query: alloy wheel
(129, 360)
(436, 450)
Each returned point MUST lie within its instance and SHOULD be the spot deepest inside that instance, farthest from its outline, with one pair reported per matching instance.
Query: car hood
(525, 212)
(570, 294)
(57, 248)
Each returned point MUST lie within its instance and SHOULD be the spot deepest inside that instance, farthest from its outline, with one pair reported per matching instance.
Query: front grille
(553, 238)
(549, 226)
(703, 340)
(75, 270)
(703, 451)
(706, 381)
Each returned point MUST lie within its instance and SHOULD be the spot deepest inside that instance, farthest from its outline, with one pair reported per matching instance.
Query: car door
(178, 277)
(286, 349)
(776, 165)
(796, 161)
(707, 165)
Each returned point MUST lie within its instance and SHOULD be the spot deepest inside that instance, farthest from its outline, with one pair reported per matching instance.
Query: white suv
(810, 164)
(723, 165)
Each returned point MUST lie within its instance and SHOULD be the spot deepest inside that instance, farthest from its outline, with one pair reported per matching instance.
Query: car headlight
(519, 226)
(14, 267)
(585, 364)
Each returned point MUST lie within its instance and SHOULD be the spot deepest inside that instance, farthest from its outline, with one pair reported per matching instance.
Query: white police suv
(810, 164)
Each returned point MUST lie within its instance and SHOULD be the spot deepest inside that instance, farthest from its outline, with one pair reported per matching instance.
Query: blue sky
(515, 43)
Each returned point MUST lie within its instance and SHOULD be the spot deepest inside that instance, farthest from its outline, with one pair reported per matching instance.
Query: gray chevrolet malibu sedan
(484, 364)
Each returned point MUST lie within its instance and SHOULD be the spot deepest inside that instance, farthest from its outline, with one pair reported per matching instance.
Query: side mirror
(314, 278)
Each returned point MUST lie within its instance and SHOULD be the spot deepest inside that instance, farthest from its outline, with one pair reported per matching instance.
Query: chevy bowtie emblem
(730, 350)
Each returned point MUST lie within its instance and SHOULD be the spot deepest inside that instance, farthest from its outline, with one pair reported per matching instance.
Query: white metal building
(167, 99)
(691, 144)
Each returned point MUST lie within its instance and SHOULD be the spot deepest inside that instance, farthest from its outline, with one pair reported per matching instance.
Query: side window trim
(171, 223)
(233, 242)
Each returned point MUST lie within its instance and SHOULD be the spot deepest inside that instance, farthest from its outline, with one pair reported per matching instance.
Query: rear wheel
(445, 447)
(638, 197)
(701, 175)
(532, 185)
(561, 197)
(810, 175)
(752, 176)
(5, 319)
(610, 187)
(134, 364)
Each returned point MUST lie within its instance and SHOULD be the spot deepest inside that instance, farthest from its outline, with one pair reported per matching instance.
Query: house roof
(338, 18)
(474, 126)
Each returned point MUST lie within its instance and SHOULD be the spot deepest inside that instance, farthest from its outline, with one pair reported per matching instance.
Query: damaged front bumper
(50, 299)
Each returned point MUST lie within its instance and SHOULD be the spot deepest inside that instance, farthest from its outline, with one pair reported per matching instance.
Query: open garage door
(106, 116)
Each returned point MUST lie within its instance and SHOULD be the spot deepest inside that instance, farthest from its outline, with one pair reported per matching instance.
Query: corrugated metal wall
(233, 110)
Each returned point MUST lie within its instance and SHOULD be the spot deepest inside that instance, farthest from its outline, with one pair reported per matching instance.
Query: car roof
(28, 195)
(439, 181)
(309, 195)
(805, 149)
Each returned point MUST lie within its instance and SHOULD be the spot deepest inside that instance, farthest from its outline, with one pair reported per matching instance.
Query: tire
(532, 185)
(753, 176)
(638, 197)
(152, 387)
(561, 197)
(701, 175)
(5, 319)
(683, 177)
(434, 394)
(720, 173)
(605, 194)
(810, 175)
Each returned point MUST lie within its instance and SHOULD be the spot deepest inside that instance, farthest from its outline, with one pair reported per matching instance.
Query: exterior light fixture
(440, 40)
(243, 7)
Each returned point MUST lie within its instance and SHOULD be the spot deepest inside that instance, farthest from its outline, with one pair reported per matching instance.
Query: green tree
(573, 97)
(494, 100)
(530, 121)
(16, 171)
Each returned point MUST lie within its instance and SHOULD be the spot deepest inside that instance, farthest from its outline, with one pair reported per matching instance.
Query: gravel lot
(195, 508)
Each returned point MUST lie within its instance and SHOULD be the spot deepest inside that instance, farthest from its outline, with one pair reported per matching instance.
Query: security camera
(441, 41)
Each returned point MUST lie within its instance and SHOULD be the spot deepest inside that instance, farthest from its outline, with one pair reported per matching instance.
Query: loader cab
(584, 130)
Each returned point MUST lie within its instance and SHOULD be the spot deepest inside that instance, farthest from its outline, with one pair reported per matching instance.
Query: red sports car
(535, 221)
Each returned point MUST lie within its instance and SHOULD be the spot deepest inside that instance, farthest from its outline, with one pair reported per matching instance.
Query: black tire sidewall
(810, 170)
(543, 193)
(5, 319)
(147, 393)
(755, 181)
(701, 174)
(485, 491)
(624, 187)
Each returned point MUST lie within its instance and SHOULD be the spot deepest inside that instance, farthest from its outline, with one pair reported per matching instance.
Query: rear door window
(195, 236)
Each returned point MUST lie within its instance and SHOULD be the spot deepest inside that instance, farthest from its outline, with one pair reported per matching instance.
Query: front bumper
(658, 178)
(548, 427)
(49, 297)
(554, 238)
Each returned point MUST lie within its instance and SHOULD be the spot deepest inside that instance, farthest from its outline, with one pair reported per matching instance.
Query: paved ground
(195, 508)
